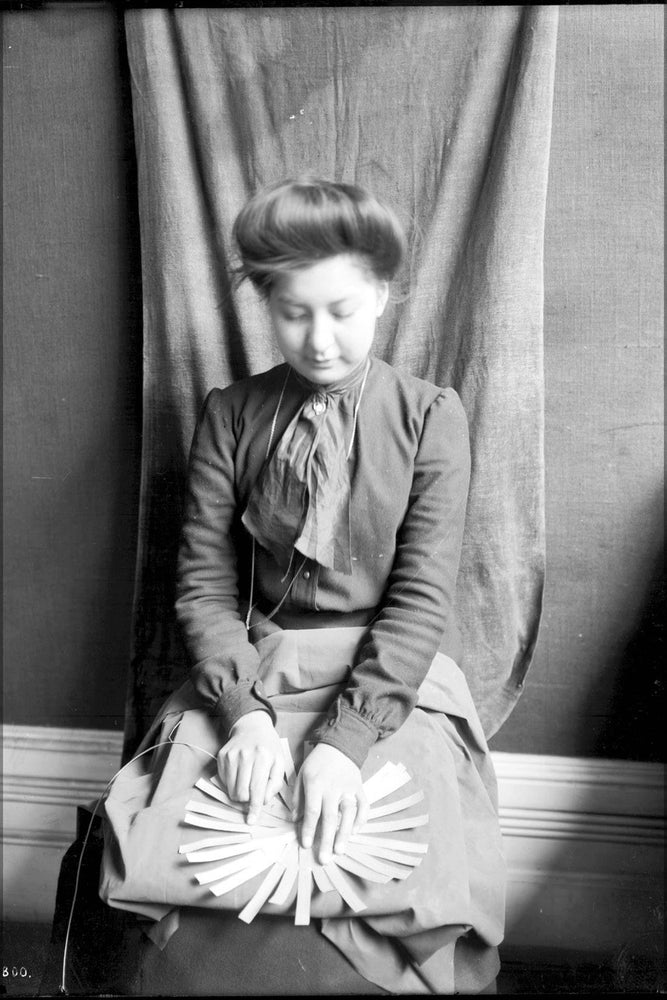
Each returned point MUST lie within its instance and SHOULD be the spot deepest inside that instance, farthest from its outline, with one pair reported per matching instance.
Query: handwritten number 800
(14, 972)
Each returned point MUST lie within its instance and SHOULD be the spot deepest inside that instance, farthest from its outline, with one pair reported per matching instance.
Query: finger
(227, 771)
(348, 812)
(328, 824)
(221, 765)
(244, 765)
(257, 789)
(363, 809)
(312, 807)
(275, 781)
(297, 799)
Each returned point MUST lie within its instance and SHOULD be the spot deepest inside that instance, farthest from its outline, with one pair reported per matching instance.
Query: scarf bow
(301, 500)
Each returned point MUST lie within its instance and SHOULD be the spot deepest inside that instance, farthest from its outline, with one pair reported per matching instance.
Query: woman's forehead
(330, 280)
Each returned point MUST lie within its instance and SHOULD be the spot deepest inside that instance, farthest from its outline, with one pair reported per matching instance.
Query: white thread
(275, 415)
(356, 410)
(252, 587)
(282, 600)
(167, 742)
(289, 566)
(251, 606)
(170, 741)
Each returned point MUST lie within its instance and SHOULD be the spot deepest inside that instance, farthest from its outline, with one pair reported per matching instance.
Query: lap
(211, 954)
(451, 906)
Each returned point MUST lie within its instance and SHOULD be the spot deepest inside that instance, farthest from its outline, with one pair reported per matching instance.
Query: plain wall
(73, 366)
(595, 686)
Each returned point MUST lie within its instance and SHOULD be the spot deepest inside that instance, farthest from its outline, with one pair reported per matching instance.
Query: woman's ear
(383, 295)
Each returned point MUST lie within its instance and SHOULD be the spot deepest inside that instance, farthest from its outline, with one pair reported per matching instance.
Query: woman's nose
(320, 334)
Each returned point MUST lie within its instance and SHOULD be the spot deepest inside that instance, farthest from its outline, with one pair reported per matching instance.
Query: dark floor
(22, 952)
(24, 948)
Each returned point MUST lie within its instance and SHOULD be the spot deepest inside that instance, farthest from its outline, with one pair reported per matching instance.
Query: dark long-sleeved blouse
(409, 474)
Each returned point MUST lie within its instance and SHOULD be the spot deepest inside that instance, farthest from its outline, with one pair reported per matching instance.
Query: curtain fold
(445, 112)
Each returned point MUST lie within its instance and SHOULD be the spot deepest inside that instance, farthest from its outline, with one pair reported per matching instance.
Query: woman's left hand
(330, 794)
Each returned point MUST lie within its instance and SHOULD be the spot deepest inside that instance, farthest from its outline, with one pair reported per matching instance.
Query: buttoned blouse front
(409, 473)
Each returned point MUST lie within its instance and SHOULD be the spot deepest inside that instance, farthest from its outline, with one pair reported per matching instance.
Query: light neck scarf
(301, 500)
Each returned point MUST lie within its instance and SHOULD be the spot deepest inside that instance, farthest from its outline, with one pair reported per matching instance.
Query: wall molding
(584, 838)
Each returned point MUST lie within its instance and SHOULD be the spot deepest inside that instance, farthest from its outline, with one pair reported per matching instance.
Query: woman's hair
(297, 223)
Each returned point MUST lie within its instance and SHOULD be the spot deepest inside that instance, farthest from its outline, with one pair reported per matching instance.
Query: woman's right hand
(251, 764)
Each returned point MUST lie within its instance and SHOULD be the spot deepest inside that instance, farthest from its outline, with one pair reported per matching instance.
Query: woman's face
(324, 316)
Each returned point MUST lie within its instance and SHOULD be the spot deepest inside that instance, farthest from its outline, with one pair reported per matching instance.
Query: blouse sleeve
(419, 602)
(224, 662)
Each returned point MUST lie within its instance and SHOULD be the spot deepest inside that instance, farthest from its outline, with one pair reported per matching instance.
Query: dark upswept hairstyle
(297, 223)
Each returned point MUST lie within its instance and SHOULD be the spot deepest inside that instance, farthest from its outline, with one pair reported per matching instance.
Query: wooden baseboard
(585, 847)
(584, 838)
(47, 773)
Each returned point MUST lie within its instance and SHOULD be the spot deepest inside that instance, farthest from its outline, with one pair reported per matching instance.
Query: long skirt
(418, 906)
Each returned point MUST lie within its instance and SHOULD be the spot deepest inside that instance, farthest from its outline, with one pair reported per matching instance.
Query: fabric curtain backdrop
(445, 112)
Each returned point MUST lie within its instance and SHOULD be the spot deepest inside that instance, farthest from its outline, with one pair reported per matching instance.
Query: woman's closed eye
(293, 316)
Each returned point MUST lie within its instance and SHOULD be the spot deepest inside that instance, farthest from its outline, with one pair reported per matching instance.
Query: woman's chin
(322, 373)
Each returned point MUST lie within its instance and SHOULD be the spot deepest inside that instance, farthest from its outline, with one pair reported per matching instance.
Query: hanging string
(275, 415)
(251, 606)
(62, 989)
(251, 598)
(170, 741)
(356, 409)
(274, 611)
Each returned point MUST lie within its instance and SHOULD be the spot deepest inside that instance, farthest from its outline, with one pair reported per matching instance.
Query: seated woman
(316, 597)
